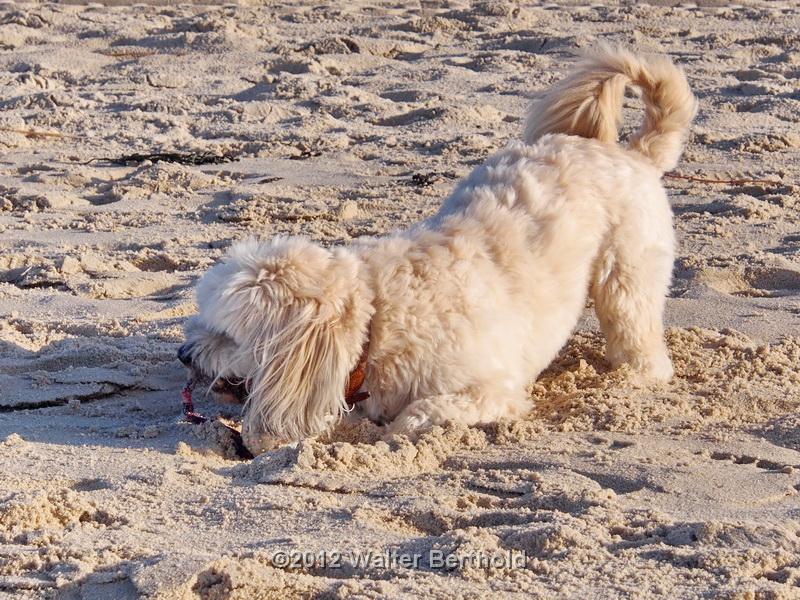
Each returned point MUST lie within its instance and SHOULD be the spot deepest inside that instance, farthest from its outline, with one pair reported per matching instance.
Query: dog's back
(597, 215)
(588, 103)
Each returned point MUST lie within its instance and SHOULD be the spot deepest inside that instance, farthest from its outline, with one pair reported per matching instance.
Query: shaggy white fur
(465, 309)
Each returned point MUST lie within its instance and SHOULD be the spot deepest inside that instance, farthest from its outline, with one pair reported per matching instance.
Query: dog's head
(281, 325)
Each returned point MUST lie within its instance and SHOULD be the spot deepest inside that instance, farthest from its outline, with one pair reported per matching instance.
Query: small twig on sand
(428, 179)
(726, 181)
(37, 135)
(304, 154)
(129, 53)
(190, 158)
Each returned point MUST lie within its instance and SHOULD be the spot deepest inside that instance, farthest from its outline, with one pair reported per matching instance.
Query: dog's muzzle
(227, 390)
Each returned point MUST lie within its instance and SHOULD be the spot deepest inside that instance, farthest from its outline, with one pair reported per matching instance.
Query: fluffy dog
(450, 320)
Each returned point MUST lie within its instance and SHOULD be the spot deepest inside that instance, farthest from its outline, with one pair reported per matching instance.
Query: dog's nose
(185, 354)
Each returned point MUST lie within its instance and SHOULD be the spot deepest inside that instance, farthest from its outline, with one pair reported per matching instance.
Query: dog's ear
(303, 311)
(255, 279)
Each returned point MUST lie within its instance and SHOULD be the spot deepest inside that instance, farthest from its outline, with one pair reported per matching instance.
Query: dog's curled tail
(588, 103)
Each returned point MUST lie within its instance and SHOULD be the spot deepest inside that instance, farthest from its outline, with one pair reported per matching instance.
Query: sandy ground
(351, 120)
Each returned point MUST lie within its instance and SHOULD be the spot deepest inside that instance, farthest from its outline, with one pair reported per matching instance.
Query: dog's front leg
(463, 408)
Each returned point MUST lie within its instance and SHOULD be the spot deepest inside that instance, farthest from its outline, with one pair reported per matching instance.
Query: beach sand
(353, 119)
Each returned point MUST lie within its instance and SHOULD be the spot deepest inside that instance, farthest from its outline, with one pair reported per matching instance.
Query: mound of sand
(348, 120)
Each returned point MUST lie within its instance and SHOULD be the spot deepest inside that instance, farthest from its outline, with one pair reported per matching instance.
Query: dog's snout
(185, 354)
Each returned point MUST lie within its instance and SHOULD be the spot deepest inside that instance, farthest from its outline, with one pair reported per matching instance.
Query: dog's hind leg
(629, 286)
(464, 409)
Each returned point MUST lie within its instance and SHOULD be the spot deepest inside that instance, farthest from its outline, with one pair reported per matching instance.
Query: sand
(352, 119)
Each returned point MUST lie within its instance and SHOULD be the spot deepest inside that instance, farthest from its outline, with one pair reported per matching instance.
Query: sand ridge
(338, 121)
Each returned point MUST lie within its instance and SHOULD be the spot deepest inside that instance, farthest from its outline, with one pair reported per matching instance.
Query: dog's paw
(410, 428)
(653, 370)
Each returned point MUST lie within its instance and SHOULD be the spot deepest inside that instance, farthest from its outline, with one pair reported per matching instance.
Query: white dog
(450, 320)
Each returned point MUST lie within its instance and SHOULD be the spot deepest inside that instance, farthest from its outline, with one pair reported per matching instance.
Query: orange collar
(357, 376)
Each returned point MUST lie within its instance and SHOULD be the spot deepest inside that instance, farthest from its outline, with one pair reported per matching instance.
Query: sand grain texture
(344, 120)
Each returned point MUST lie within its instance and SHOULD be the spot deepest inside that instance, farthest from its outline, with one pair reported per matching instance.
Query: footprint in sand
(760, 281)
